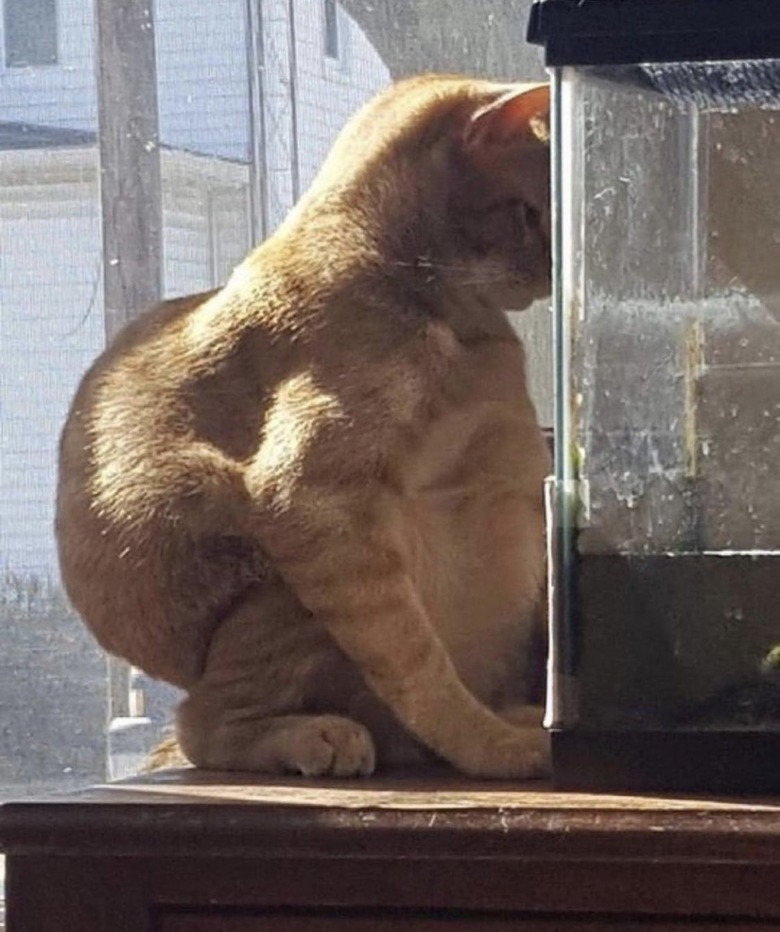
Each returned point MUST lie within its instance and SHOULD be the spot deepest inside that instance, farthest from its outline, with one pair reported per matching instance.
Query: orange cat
(313, 498)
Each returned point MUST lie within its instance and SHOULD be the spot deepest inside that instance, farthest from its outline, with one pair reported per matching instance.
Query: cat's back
(133, 368)
(128, 409)
(139, 481)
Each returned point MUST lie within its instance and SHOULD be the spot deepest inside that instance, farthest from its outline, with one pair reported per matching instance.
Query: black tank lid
(606, 32)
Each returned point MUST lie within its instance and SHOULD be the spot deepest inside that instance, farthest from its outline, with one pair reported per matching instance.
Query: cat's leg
(253, 707)
(311, 745)
(353, 575)
(528, 719)
(523, 716)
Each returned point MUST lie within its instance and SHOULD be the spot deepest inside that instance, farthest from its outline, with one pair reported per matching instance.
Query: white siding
(230, 229)
(61, 94)
(203, 76)
(328, 92)
(206, 224)
(185, 241)
(186, 246)
(50, 329)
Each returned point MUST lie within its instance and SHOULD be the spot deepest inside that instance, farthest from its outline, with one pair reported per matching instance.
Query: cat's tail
(165, 755)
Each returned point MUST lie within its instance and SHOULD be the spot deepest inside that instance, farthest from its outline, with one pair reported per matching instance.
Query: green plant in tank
(770, 664)
(752, 702)
(577, 457)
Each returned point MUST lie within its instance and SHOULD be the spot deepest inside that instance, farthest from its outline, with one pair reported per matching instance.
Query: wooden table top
(420, 816)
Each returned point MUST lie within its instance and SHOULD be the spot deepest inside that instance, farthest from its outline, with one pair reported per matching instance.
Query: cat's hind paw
(311, 745)
(320, 745)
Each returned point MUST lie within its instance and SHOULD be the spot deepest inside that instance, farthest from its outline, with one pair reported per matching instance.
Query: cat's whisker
(478, 282)
(446, 267)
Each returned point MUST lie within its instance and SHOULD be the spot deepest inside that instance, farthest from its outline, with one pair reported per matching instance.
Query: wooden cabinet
(196, 852)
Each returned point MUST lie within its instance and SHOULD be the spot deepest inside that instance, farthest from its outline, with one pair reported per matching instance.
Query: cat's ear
(519, 117)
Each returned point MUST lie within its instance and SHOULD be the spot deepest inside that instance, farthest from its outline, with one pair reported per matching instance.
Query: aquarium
(664, 537)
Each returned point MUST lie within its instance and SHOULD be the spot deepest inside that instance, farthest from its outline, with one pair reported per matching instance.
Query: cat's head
(453, 174)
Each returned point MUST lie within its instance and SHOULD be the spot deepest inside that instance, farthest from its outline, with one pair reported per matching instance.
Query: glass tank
(665, 504)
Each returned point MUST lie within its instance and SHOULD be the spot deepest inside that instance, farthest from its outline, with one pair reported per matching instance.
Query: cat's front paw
(518, 753)
(522, 715)
(320, 745)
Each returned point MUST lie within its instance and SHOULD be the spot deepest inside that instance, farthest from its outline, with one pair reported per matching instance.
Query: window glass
(129, 178)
